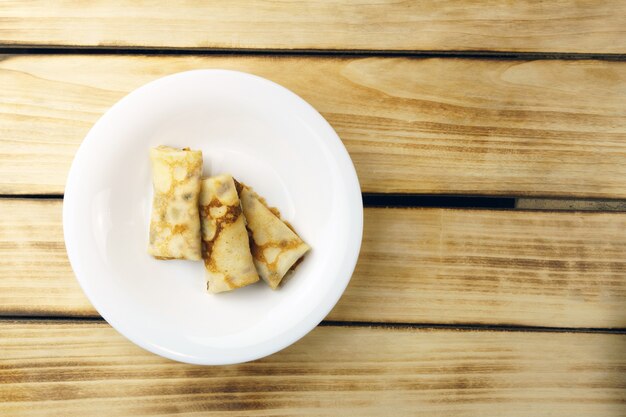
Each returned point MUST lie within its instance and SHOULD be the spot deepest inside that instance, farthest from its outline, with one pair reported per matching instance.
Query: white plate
(262, 134)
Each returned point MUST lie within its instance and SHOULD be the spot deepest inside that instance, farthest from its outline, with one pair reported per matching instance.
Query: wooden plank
(77, 369)
(560, 204)
(416, 266)
(522, 26)
(451, 126)
(35, 275)
(490, 267)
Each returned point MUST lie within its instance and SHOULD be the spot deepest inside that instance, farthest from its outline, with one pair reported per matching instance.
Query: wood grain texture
(450, 126)
(527, 26)
(490, 267)
(35, 275)
(578, 205)
(416, 266)
(78, 369)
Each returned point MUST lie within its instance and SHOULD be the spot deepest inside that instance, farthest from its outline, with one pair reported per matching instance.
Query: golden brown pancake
(225, 245)
(275, 246)
(174, 223)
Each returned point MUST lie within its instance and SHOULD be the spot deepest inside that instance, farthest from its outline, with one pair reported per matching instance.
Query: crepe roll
(175, 223)
(225, 245)
(275, 246)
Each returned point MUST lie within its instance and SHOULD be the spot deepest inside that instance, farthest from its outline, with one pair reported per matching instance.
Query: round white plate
(265, 136)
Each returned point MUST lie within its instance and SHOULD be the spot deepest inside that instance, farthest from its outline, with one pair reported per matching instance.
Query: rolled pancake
(174, 223)
(225, 244)
(275, 246)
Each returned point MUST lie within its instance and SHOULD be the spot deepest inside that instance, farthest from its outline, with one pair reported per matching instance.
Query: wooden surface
(451, 311)
(561, 204)
(82, 368)
(416, 266)
(433, 126)
(450, 25)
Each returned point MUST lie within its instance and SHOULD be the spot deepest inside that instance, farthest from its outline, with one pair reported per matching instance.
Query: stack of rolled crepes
(219, 220)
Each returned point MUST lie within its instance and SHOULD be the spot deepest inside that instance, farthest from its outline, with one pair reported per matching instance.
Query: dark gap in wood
(387, 325)
(398, 200)
(414, 200)
(373, 200)
(146, 50)
(43, 317)
(32, 196)
(475, 327)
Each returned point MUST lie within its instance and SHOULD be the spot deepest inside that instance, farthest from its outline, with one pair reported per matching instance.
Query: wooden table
(458, 306)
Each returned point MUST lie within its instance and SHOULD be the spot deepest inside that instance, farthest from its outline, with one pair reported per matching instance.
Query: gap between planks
(356, 53)
(447, 201)
(366, 324)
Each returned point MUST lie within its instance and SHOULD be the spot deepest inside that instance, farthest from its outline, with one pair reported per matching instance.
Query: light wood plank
(79, 369)
(451, 126)
(490, 267)
(416, 266)
(35, 275)
(528, 26)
